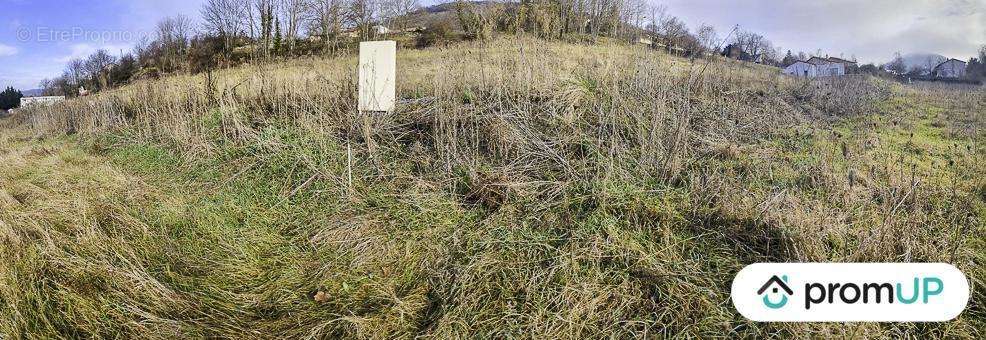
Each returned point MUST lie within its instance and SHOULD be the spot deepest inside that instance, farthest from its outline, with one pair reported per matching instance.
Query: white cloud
(81, 51)
(6, 51)
(872, 30)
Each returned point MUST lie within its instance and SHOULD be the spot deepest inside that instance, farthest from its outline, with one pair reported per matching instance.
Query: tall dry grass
(522, 188)
(509, 100)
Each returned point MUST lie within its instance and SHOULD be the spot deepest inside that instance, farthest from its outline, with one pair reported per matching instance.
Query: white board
(377, 75)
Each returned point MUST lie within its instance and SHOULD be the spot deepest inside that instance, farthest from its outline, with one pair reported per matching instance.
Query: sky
(37, 37)
(871, 30)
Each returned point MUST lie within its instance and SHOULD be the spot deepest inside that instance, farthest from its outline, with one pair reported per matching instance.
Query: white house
(819, 67)
(40, 101)
(952, 68)
(828, 67)
(801, 69)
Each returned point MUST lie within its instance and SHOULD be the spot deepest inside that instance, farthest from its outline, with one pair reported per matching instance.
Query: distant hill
(450, 6)
(923, 60)
(32, 92)
(427, 16)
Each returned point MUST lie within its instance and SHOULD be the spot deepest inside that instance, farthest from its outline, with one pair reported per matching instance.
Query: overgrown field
(522, 189)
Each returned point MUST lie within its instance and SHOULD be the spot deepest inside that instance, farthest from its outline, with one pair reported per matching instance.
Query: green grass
(387, 230)
(227, 250)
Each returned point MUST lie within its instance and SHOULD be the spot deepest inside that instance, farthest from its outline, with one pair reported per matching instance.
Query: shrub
(438, 33)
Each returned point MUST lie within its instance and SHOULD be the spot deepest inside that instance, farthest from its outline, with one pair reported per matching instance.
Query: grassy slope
(119, 233)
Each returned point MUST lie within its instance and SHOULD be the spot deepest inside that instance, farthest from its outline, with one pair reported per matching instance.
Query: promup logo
(778, 283)
(834, 292)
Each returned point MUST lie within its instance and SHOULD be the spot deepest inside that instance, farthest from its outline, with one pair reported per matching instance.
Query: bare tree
(292, 12)
(602, 14)
(48, 87)
(95, 66)
(897, 65)
(361, 14)
(754, 44)
(658, 15)
(634, 13)
(172, 36)
(673, 31)
(326, 19)
(74, 71)
(707, 37)
(928, 67)
(176, 30)
(265, 14)
(395, 11)
(251, 19)
(225, 18)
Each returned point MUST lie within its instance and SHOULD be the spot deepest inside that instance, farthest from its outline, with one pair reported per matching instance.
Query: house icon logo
(776, 285)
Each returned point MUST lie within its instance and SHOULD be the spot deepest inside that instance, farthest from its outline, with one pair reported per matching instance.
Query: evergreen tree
(277, 36)
(789, 59)
(10, 99)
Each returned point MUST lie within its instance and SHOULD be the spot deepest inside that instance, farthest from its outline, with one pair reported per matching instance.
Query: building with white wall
(820, 67)
(801, 68)
(40, 101)
(950, 69)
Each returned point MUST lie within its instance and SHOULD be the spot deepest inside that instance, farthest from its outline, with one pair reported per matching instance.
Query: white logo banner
(835, 292)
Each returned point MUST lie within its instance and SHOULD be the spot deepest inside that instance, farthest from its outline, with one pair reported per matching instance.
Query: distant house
(848, 66)
(828, 67)
(820, 67)
(40, 101)
(801, 68)
(949, 69)
(354, 32)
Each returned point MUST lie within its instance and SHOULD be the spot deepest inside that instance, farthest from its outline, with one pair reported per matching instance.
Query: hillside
(447, 13)
(521, 189)
(32, 92)
(925, 61)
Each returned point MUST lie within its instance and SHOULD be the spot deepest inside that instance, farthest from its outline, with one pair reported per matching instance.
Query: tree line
(231, 32)
(10, 99)
(975, 66)
(235, 31)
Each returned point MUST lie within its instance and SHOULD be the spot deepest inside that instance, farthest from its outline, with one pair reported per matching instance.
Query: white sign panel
(377, 75)
(840, 292)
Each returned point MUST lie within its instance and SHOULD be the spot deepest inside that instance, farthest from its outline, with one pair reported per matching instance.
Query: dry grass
(521, 189)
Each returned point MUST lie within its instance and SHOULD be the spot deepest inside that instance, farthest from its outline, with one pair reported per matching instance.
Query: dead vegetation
(522, 188)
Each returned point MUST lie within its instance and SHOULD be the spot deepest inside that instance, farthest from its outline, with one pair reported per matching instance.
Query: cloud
(26, 76)
(145, 13)
(871, 30)
(81, 51)
(6, 51)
